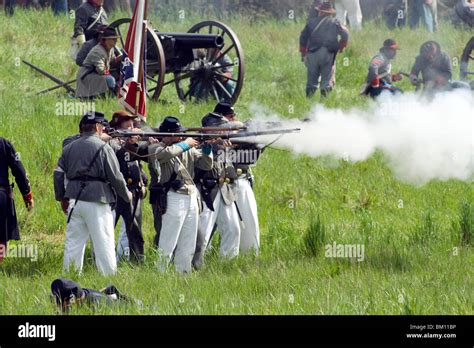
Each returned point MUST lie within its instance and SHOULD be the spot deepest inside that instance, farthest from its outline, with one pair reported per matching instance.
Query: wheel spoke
(151, 79)
(179, 78)
(222, 54)
(210, 29)
(191, 88)
(223, 66)
(121, 38)
(222, 75)
(224, 89)
(215, 92)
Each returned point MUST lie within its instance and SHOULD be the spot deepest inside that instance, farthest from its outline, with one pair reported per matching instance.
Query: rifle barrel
(203, 136)
(50, 76)
(215, 129)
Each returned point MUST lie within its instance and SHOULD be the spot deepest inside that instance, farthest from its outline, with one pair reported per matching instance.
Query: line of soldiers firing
(183, 168)
(200, 183)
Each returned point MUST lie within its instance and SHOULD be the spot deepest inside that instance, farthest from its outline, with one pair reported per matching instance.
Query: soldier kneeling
(94, 78)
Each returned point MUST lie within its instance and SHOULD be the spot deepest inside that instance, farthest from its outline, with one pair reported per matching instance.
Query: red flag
(132, 94)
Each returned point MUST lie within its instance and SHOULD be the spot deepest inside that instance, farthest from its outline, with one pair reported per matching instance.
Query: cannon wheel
(186, 85)
(155, 65)
(467, 56)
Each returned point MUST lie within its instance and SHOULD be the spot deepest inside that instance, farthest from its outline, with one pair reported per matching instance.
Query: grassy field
(415, 261)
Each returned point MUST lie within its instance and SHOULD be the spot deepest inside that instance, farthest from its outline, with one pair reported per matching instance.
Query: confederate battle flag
(132, 95)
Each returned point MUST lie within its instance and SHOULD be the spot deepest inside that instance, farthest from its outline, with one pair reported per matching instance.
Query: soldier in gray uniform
(435, 68)
(94, 78)
(219, 198)
(380, 77)
(464, 14)
(89, 16)
(177, 195)
(93, 181)
(89, 45)
(245, 196)
(320, 41)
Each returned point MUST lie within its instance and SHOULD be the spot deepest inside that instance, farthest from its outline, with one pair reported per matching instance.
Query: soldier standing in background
(349, 9)
(10, 160)
(424, 11)
(395, 13)
(89, 16)
(322, 38)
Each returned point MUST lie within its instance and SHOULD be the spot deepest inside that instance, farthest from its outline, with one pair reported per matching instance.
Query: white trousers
(249, 229)
(179, 232)
(351, 9)
(123, 249)
(227, 220)
(94, 221)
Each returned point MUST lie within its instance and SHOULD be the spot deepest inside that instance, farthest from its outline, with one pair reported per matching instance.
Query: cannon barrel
(186, 41)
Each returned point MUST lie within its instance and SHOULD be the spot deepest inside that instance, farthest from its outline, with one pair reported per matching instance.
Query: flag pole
(141, 69)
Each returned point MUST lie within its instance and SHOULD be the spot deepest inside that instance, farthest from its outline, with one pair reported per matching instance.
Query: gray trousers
(319, 64)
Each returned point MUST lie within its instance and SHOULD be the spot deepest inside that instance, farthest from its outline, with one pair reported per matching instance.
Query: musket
(50, 76)
(203, 136)
(417, 83)
(215, 129)
(56, 87)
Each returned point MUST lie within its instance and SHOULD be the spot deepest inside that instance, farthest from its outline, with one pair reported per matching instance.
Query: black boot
(310, 91)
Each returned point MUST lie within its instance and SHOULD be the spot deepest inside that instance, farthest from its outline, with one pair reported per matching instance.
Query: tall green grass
(417, 239)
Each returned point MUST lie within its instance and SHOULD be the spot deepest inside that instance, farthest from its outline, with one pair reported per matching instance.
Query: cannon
(206, 62)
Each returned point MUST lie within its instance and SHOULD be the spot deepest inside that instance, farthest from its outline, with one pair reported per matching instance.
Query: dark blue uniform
(10, 160)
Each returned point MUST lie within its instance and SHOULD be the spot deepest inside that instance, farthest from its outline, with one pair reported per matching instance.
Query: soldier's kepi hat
(390, 43)
(214, 120)
(224, 109)
(93, 118)
(326, 7)
(109, 33)
(65, 289)
(171, 124)
(119, 117)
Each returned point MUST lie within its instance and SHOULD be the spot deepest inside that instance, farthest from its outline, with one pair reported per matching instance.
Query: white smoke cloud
(422, 140)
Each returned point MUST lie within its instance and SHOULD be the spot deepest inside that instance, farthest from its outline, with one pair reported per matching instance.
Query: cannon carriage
(206, 62)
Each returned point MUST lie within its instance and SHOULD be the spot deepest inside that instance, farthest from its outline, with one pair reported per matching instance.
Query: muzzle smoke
(422, 140)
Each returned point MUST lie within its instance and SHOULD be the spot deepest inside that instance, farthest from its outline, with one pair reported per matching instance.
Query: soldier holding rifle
(219, 198)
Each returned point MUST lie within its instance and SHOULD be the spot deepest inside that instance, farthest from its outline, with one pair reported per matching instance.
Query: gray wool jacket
(91, 80)
(87, 14)
(72, 165)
